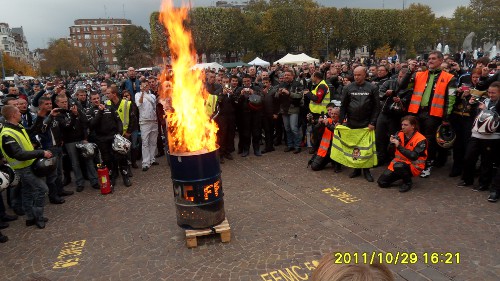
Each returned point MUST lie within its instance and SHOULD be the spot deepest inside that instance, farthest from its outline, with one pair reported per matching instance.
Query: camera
(477, 98)
(62, 110)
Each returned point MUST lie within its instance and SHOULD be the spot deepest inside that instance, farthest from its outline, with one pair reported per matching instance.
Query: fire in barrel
(192, 137)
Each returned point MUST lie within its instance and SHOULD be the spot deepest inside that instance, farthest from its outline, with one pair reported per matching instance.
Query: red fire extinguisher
(103, 174)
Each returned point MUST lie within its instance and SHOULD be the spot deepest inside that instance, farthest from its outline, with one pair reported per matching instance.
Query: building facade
(98, 37)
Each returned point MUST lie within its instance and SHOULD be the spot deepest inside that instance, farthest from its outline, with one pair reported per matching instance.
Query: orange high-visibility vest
(325, 141)
(416, 166)
(438, 100)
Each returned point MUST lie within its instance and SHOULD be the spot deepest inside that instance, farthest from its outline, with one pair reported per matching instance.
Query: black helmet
(445, 136)
(44, 166)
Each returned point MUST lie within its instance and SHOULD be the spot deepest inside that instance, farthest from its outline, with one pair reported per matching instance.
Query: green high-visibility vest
(320, 107)
(123, 112)
(23, 140)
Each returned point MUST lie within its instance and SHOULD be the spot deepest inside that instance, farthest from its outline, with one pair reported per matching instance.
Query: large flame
(190, 127)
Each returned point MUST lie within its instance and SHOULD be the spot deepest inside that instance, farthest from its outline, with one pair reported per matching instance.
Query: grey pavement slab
(283, 217)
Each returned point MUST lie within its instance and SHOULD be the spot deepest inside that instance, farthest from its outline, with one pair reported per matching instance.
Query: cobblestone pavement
(283, 219)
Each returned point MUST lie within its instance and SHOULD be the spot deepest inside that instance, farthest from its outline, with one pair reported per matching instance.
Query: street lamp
(327, 33)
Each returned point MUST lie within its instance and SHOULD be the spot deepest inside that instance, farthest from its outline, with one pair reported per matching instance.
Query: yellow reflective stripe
(440, 96)
(418, 94)
(437, 105)
(126, 115)
(360, 147)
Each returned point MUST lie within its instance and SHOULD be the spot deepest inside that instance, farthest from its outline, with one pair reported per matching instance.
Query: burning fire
(190, 127)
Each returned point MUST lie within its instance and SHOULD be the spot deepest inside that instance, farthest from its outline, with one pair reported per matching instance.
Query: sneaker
(145, 168)
(426, 172)
(494, 195)
(463, 184)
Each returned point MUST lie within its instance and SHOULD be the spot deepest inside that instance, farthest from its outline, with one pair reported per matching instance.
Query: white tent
(296, 59)
(210, 65)
(260, 62)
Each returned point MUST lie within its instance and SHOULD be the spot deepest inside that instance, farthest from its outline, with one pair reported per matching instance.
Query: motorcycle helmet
(445, 136)
(121, 144)
(486, 122)
(4, 181)
(13, 177)
(86, 149)
(44, 166)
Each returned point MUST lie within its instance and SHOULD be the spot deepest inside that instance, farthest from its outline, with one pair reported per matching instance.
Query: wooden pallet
(223, 228)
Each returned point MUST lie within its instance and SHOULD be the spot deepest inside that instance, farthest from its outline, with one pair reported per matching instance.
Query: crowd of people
(402, 104)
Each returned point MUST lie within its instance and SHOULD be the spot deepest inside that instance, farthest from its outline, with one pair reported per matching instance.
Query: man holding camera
(250, 100)
(432, 101)
(291, 98)
(225, 118)
(48, 129)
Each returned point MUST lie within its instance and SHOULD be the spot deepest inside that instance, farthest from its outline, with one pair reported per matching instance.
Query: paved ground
(283, 218)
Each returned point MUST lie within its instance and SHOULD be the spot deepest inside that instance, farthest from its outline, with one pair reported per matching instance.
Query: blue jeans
(33, 193)
(55, 179)
(75, 164)
(293, 136)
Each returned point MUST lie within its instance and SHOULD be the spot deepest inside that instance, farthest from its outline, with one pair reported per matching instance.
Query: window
(105, 44)
(96, 36)
(87, 36)
(74, 44)
(119, 35)
(80, 45)
(115, 59)
(74, 37)
(103, 36)
(103, 28)
(88, 44)
(79, 37)
(94, 28)
(105, 51)
(77, 29)
(113, 51)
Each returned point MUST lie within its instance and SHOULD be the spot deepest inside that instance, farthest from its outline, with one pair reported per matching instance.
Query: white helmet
(86, 149)
(486, 122)
(12, 176)
(4, 181)
(121, 144)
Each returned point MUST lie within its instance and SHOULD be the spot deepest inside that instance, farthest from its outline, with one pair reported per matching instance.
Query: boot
(256, 151)
(126, 178)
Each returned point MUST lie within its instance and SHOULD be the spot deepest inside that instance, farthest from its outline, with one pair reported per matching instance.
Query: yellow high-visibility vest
(23, 140)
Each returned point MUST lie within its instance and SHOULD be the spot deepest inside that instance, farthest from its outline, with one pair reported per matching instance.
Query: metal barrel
(197, 188)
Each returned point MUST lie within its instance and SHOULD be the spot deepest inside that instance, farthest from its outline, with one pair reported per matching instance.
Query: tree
(135, 47)
(61, 56)
(159, 38)
(486, 19)
(13, 65)
(422, 33)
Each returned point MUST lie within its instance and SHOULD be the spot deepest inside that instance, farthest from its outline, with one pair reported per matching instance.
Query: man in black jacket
(47, 128)
(225, 118)
(20, 154)
(360, 106)
(105, 124)
(74, 131)
(251, 111)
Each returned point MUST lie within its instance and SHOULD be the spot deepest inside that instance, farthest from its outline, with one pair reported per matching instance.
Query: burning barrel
(197, 189)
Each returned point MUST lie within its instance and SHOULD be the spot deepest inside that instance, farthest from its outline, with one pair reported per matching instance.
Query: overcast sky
(46, 19)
